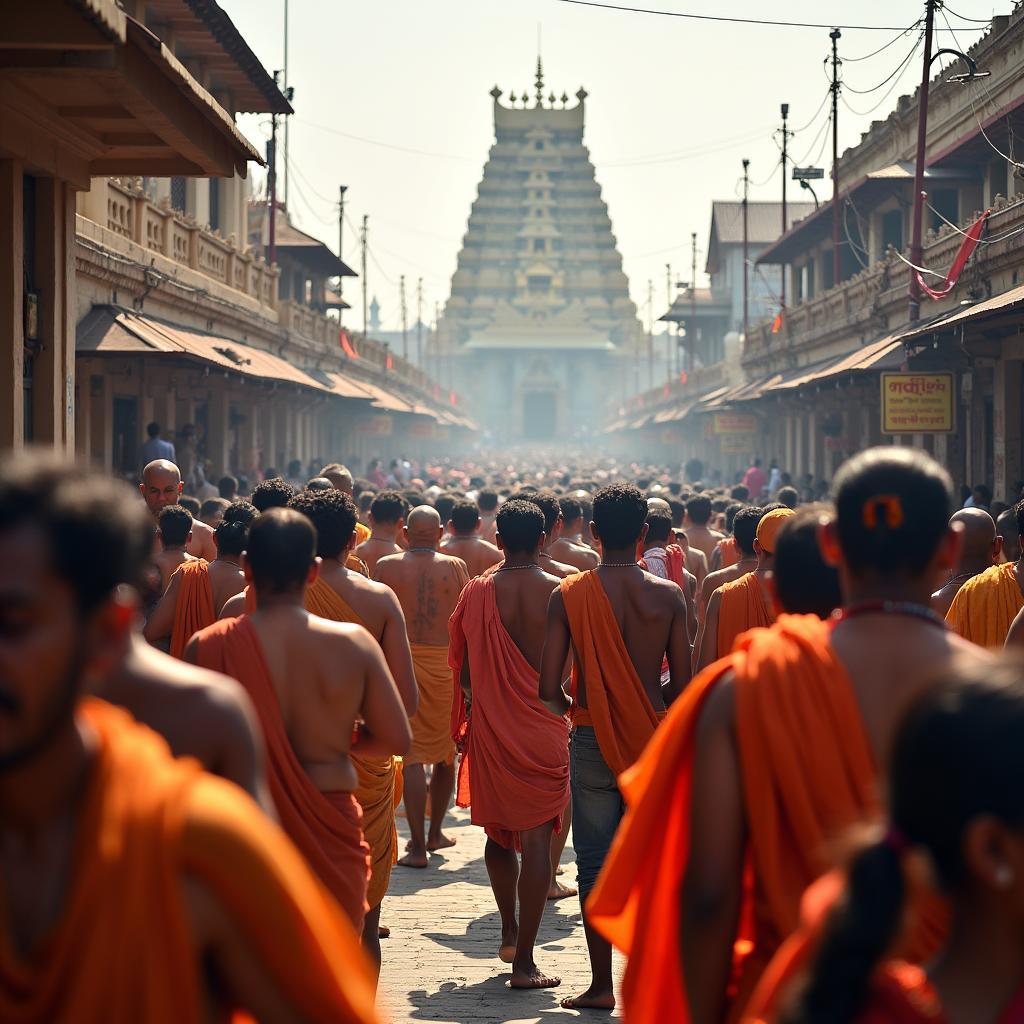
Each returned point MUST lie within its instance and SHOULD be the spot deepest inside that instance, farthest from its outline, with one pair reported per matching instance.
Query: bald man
(981, 549)
(161, 486)
(427, 584)
(1006, 527)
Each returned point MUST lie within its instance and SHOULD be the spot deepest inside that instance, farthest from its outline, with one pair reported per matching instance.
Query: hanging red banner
(967, 247)
(346, 344)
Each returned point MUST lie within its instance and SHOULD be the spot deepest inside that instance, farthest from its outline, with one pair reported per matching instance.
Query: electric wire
(733, 20)
(888, 92)
(976, 21)
(892, 42)
(885, 81)
(814, 116)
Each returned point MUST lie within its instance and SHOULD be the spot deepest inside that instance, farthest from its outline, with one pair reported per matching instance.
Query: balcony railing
(875, 299)
(157, 227)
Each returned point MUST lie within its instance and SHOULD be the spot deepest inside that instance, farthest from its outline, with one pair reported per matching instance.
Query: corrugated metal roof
(997, 304)
(764, 220)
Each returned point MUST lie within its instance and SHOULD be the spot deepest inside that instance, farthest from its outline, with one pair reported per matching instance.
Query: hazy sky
(674, 106)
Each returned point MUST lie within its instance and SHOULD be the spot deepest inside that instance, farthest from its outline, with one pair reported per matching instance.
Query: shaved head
(659, 503)
(423, 526)
(979, 533)
(1007, 528)
(161, 485)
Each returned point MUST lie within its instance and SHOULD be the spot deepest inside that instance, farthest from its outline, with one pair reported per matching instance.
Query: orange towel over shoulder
(742, 606)
(148, 819)
(377, 775)
(514, 773)
(986, 605)
(194, 609)
(807, 772)
(623, 717)
(327, 828)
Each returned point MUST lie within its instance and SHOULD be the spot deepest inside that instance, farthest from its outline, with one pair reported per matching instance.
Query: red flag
(777, 323)
(683, 378)
(967, 247)
(453, 398)
(346, 344)
(389, 363)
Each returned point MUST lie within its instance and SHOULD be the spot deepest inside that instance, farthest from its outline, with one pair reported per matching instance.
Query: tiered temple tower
(540, 331)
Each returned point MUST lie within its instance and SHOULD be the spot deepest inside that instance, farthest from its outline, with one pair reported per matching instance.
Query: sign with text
(376, 426)
(735, 423)
(736, 444)
(917, 403)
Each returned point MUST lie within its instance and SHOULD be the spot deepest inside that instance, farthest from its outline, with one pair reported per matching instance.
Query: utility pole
(692, 332)
(650, 333)
(785, 222)
(437, 342)
(419, 324)
(916, 253)
(835, 35)
(342, 189)
(746, 250)
(272, 187)
(286, 119)
(362, 249)
(405, 329)
(668, 323)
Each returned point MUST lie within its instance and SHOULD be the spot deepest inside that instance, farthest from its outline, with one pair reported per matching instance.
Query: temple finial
(540, 82)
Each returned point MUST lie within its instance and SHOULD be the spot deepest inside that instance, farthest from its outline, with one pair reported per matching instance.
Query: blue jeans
(597, 807)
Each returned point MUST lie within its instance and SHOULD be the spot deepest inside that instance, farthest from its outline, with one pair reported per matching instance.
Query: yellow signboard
(735, 423)
(736, 444)
(917, 403)
(377, 426)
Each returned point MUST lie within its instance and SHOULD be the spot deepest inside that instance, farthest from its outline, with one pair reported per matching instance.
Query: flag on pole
(777, 323)
(346, 344)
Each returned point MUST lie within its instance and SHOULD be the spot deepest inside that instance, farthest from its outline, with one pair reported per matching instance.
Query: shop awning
(1008, 303)
(116, 96)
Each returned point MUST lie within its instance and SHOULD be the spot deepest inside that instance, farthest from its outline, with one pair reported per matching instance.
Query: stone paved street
(441, 962)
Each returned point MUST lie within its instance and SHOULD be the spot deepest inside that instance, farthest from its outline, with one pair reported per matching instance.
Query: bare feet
(413, 860)
(440, 842)
(559, 870)
(589, 1000)
(531, 977)
(561, 892)
(509, 939)
(383, 932)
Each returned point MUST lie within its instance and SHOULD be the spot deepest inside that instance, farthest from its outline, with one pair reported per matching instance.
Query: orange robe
(376, 789)
(741, 606)
(431, 725)
(808, 773)
(514, 772)
(729, 553)
(122, 950)
(618, 708)
(986, 605)
(326, 827)
(194, 609)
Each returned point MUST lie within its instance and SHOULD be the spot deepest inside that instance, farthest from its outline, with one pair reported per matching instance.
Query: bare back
(522, 599)
(372, 550)
(319, 672)
(199, 713)
(579, 556)
(891, 661)
(478, 554)
(427, 585)
(651, 616)
(202, 544)
(226, 580)
(167, 562)
(704, 539)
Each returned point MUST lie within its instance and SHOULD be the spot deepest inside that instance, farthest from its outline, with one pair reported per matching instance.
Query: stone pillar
(12, 285)
(53, 377)
(1006, 422)
(93, 204)
(217, 431)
